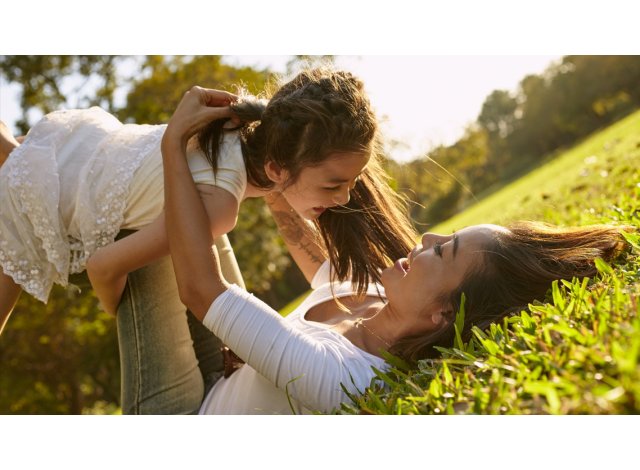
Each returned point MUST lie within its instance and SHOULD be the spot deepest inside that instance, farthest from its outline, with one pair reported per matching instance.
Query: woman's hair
(318, 113)
(517, 267)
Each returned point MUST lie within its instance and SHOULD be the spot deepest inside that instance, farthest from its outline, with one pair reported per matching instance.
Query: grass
(576, 353)
(574, 187)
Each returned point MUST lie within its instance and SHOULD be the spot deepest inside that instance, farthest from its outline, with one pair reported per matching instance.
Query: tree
(63, 357)
(498, 118)
(498, 114)
(44, 79)
(59, 358)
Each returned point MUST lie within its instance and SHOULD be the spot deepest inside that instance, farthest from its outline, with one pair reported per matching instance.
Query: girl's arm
(302, 240)
(197, 271)
(108, 267)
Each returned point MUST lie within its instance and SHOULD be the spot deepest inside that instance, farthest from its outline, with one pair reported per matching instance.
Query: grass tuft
(578, 352)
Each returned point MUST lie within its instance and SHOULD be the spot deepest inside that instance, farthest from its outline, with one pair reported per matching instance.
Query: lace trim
(112, 199)
(34, 186)
(20, 178)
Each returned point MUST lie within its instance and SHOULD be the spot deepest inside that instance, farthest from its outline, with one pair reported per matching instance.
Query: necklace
(360, 322)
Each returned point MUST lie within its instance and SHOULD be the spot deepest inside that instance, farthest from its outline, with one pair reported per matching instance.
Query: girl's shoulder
(230, 148)
(230, 174)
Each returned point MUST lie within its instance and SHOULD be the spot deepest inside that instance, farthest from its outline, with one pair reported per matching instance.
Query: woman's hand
(198, 107)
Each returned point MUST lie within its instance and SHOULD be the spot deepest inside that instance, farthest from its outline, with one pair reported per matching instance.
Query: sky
(428, 66)
(421, 100)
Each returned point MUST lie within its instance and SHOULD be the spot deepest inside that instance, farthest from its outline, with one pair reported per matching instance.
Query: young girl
(81, 176)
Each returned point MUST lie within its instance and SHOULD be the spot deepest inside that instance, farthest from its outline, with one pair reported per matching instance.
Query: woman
(326, 348)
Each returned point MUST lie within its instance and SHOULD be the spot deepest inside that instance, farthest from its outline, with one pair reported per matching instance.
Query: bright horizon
(422, 101)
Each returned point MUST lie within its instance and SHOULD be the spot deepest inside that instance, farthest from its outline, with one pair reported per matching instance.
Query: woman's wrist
(173, 143)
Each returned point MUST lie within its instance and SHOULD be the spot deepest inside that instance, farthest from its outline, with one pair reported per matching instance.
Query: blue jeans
(168, 359)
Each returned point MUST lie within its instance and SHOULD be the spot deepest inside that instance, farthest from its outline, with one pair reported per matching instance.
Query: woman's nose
(428, 239)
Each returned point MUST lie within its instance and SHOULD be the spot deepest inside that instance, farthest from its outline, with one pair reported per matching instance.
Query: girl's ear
(275, 172)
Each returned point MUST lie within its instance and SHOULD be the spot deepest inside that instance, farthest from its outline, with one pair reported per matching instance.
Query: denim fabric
(166, 355)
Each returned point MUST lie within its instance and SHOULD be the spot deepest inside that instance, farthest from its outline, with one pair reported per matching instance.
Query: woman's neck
(367, 325)
(378, 321)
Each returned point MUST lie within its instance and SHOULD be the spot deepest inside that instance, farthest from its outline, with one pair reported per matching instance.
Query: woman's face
(414, 285)
(326, 185)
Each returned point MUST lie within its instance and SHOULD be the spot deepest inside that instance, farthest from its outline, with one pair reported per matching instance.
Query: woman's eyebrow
(455, 245)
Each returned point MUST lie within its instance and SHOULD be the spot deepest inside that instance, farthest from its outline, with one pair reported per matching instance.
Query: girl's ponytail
(248, 109)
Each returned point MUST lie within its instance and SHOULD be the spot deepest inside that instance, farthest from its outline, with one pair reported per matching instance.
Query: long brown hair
(318, 113)
(517, 267)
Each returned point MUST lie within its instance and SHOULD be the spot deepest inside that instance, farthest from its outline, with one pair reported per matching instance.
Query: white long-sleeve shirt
(291, 356)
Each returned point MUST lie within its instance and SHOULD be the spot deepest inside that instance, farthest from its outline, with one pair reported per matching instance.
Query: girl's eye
(437, 249)
(332, 188)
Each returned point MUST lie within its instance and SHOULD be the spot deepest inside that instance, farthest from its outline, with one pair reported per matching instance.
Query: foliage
(443, 182)
(516, 132)
(164, 80)
(44, 81)
(578, 186)
(59, 358)
(576, 353)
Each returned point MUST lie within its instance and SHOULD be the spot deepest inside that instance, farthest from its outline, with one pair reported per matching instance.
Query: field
(580, 186)
(577, 353)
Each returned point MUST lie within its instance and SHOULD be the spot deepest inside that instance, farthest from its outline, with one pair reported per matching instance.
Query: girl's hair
(371, 230)
(517, 267)
(318, 113)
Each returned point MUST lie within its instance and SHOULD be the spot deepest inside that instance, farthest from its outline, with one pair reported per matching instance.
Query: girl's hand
(198, 107)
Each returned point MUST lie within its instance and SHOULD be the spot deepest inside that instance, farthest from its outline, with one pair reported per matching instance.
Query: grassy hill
(576, 187)
(578, 352)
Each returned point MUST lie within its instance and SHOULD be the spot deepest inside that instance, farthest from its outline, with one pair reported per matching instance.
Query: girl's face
(326, 185)
(414, 285)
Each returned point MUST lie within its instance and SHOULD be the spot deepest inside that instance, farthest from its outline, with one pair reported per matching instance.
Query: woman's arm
(197, 271)
(264, 339)
(303, 242)
(311, 368)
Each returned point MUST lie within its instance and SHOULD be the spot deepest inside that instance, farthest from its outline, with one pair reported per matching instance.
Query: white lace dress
(79, 177)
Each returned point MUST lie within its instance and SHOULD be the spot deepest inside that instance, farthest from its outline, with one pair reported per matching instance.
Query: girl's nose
(342, 198)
